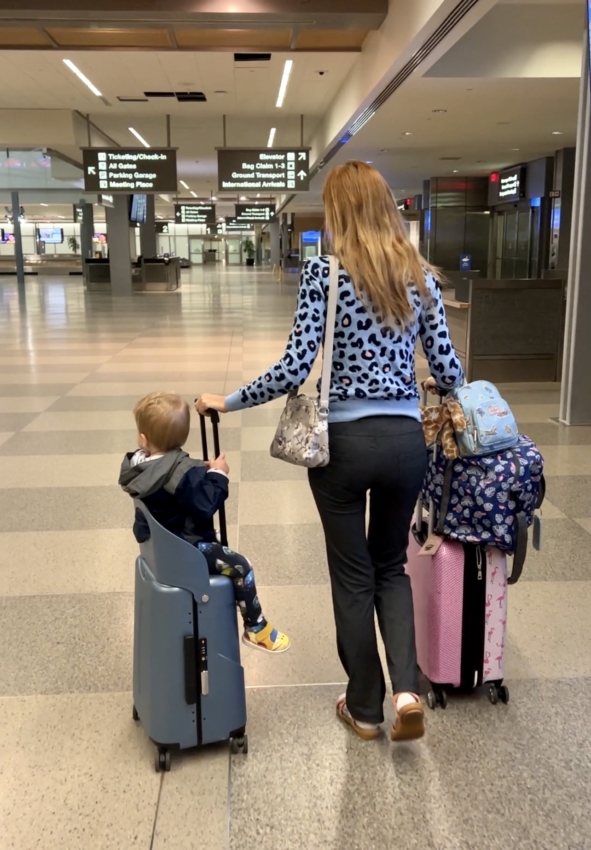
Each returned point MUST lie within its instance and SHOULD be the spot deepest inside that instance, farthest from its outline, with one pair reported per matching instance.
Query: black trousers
(387, 457)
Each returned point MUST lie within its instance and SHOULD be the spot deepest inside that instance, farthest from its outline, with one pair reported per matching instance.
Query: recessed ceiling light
(138, 137)
(81, 76)
(284, 81)
(43, 205)
(438, 111)
(182, 182)
(514, 149)
(455, 171)
(557, 132)
(243, 198)
(258, 194)
(193, 193)
(407, 134)
(271, 137)
(369, 161)
(213, 198)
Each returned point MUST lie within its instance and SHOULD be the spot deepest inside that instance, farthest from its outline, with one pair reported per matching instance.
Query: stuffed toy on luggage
(443, 421)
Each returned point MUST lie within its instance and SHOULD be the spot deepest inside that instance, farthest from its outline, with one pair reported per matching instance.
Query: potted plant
(249, 250)
(73, 244)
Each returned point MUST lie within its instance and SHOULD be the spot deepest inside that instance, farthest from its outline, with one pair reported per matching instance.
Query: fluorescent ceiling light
(213, 198)
(193, 193)
(258, 194)
(284, 81)
(138, 137)
(182, 182)
(271, 137)
(243, 198)
(43, 205)
(81, 76)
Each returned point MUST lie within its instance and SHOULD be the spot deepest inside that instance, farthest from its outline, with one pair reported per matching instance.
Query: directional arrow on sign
(302, 155)
(91, 169)
(302, 174)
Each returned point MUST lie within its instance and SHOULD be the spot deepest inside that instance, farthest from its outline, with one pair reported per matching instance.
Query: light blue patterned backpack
(490, 424)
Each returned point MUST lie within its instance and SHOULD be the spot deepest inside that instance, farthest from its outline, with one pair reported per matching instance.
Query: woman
(388, 298)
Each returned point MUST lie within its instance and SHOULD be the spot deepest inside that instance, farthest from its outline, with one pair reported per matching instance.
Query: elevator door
(514, 244)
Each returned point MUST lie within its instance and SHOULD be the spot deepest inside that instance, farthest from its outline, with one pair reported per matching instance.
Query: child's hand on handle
(219, 463)
(208, 401)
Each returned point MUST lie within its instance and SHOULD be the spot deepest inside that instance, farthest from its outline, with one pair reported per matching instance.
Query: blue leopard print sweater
(373, 370)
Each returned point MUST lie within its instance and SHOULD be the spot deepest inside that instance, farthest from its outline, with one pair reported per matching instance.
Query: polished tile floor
(75, 771)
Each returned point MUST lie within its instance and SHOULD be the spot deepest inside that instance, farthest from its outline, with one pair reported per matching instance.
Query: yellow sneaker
(268, 639)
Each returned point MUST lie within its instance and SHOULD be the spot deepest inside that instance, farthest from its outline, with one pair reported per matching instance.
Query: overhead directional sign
(194, 213)
(256, 169)
(255, 212)
(235, 224)
(129, 170)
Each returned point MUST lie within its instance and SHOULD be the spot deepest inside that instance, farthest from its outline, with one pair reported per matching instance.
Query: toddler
(183, 495)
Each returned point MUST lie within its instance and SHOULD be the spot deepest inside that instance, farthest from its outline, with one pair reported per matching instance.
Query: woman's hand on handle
(430, 386)
(208, 401)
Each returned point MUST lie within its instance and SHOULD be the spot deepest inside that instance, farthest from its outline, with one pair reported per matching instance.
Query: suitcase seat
(188, 683)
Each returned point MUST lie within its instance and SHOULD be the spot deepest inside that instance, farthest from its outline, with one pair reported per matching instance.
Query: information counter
(156, 275)
(509, 331)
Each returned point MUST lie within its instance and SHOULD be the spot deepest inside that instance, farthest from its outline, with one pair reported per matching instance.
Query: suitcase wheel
(162, 760)
(435, 698)
(500, 692)
(239, 745)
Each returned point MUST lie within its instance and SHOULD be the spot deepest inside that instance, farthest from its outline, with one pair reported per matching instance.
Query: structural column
(274, 243)
(18, 240)
(285, 239)
(148, 246)
(119, 246)
(86, 230)
(575, 403)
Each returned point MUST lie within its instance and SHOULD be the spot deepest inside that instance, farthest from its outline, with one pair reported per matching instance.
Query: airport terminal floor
(77, 772)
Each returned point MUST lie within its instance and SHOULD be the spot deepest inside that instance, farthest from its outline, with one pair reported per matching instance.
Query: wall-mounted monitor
(311, 237)
(7, 237)
(139, 209)
(51, 235)
(101, 238)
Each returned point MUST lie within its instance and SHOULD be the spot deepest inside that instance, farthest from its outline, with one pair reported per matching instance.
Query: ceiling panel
(40, 79)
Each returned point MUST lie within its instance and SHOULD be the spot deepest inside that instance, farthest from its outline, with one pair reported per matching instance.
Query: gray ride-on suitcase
(188, 683)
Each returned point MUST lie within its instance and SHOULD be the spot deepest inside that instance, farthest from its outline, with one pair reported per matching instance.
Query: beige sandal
(344, 715)
(410, 721)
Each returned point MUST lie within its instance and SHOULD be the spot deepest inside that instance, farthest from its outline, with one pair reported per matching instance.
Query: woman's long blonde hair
(369, 237)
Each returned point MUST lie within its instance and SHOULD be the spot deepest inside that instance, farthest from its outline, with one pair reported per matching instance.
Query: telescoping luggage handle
(215, 422)
(418, 519)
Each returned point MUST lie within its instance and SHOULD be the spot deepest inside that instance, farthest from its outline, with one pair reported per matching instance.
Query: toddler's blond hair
(164, 419)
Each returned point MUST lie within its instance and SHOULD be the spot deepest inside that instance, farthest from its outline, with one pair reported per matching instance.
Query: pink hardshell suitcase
(460, 609)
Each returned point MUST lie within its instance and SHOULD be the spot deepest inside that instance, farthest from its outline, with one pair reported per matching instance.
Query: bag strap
(331, 315)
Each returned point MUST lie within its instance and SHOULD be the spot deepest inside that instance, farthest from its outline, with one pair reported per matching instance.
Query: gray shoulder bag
(302, 434)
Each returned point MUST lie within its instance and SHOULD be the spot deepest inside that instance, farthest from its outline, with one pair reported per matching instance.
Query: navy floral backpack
(489, 500)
